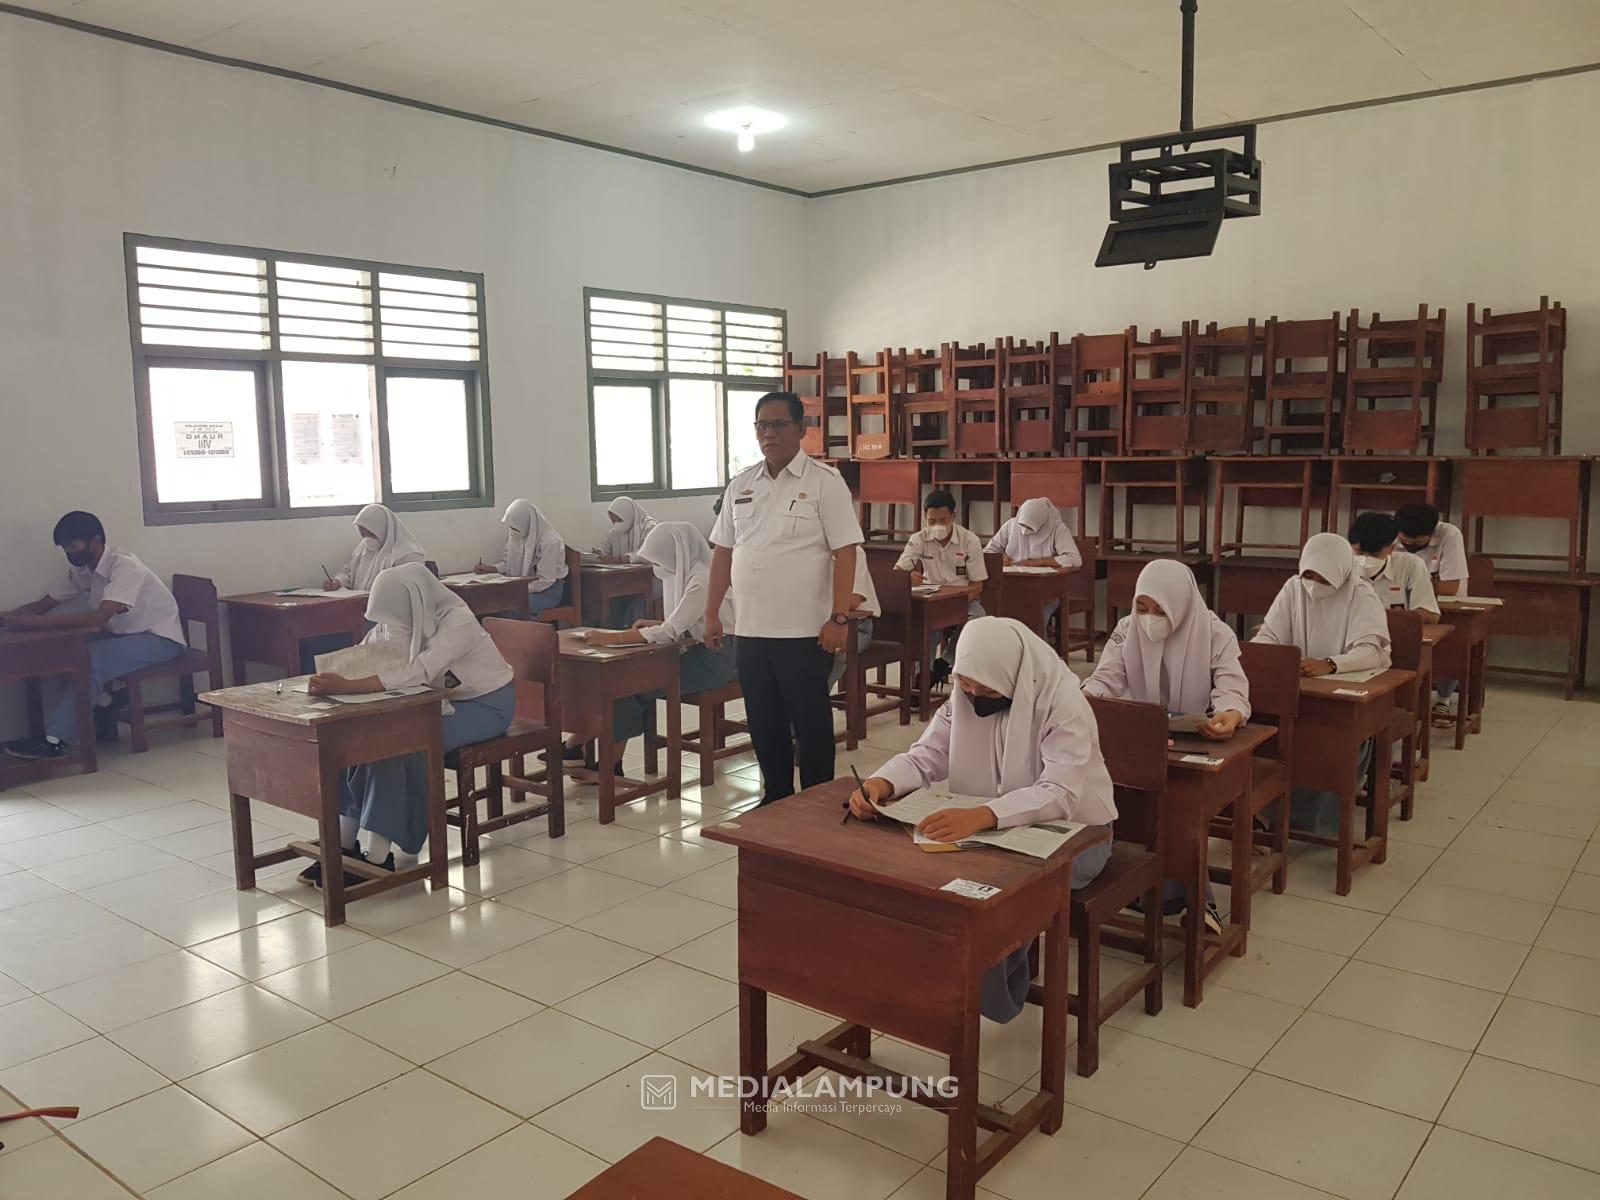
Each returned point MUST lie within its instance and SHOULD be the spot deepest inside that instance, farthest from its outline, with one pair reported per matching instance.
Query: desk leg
(1194, 926)
(1053, 1064)
(83, 699)
(752, 1054)
(675, 736)
(244, 846)
(606, 750)
(1480, 667)
(1239, 891)
(438, 841)
(1347, 828)
(1584, 597)
(961, 1159)
(240, 671)
(332, 847)
(1378, 816)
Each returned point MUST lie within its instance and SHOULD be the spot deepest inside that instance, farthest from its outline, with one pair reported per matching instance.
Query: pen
(325, 574)
(860, 787)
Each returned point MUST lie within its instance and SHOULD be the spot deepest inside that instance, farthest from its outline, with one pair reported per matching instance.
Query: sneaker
(43, 748)
(312, 875)
(1213, 919)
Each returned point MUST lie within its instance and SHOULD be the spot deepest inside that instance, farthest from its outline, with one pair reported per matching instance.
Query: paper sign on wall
(348, 446)
(204, 439)
(306, 432)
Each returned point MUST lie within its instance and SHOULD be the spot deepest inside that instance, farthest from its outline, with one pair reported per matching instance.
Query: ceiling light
(746, 122)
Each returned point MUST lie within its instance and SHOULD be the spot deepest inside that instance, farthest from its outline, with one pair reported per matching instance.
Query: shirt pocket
(802, 522)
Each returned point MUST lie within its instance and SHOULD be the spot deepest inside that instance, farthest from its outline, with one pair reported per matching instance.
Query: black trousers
(785, 685)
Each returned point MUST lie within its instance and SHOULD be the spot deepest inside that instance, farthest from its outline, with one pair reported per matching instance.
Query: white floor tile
(53, 1168)
(527, 1163)
(1571, 931)
(258, 1172)
(1560, 1040)
(1472, 911)
(1102, 1158)
(658, 921)
(1162, 1088)
(437, 1017)
(813, 1158)
(129, 1142)
(34, 1027)
(144, 989)
(1468, 958)
(574, 895)
(1415, 1005)
(1453, 1166)
(344, 981)
(715, 953)
(609, 1121)
(95, 1075)
(210, 1032)
(1199, 1175)
(1236, 1027)
(471, 934)
(658, 861)
(278, 944)
(1406, 1075)
(1532, 1110)
(654, 1003)
(558, 965)
(502, 869)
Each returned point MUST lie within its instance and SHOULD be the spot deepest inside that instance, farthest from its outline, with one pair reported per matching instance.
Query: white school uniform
(1347, 626)
(1445, 555)
(957, 559)
(396, 547)
(446, 641)
(1037, 531)
(783, 533)
(679, 549)
(122, 579)
(1403, 582)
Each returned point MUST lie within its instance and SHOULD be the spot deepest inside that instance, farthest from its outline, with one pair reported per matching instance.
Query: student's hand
(1007, 561)
(916, 578)
(954, 824)
(832, 637)
(714, 637)
(603, 637)
(872, 789)
(647, 622)
(328, 684)
(331, 585)
(484, 569)
(1312, 667)
(1221, 727)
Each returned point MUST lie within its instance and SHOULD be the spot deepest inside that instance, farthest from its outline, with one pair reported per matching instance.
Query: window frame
(274, 504)
(660, 384)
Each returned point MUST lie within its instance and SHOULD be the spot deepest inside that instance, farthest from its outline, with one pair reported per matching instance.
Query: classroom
(656, 599)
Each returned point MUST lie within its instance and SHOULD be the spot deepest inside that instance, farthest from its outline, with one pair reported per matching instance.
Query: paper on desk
(1484, 601)
(926, 589)
(472, 577)
(1038, 841)
(369, 658)
(1356, 676)
(374, 697)
(311, 591)
(1020, 570)
(1185, 722)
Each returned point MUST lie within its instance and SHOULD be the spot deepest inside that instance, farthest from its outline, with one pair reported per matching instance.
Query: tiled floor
(1434, 1034)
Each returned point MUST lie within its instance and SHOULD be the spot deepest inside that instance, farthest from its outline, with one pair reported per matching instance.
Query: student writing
(533, 548)
(385, 542)
(945, 553)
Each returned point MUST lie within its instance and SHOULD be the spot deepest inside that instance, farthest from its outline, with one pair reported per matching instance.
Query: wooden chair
(856, 699)
(532, 649)
(197, 605)
(1031, 398)
(1097, 406)
(1274, 675)
(1225, 388)
(972, 382)
(927, 417)
(710, 739)
(1303, 386)
(821, 387)
(1392, 388)
(570, 610)
(1514, 359)
(1412, 709)
(874, 425)
(1133, 739)
(893, 628)
(1158, 391)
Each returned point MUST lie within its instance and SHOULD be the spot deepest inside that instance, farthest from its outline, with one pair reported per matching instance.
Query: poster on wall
(306, 433)
(348, 446)
(204, 439)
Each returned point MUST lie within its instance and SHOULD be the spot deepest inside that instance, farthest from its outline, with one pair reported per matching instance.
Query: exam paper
(369, 658)
(1482, 601)
(314, 591)
(1038, 841)
(1356, 676)
(1019, 570)
(374, 697)
(471, 577)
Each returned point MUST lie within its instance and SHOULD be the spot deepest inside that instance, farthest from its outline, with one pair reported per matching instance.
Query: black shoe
(386, 865)
(572, 754)
(938, 674)
(42, 748)
(1213, 919)
(313, 874)
(105, 725)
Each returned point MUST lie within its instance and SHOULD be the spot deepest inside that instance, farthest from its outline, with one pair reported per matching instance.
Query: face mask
(1316, 589)
(1419, 547)
(80, 558)
(1156, 626)
(1368, 566)
(939, 533)
(988, 706)
(371, 543)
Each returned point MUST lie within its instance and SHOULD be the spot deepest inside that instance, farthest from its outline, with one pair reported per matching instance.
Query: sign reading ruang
(204, 439)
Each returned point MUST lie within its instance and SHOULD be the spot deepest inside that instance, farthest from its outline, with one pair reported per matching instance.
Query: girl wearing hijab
(1036, 537)
(1335, 619)
(533, 548)
(446, 649)
(385, 542)
(1017, 729)
(630, 525)
(681, 558)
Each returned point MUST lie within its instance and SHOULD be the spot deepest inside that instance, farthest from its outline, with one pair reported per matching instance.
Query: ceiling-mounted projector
(1171, 193)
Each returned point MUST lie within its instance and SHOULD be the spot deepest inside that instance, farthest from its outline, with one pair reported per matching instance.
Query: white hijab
(526, 534)
(636, 523)
(678, 552)
(1185, 653)
(992, 756)
(395, 545)
(409, 602)
(1033, 530)
(1325, 627)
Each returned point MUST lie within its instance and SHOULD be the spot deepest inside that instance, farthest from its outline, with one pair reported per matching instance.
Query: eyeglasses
(773, 426)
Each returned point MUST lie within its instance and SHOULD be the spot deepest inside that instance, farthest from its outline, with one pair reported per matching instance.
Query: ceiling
(873, 89)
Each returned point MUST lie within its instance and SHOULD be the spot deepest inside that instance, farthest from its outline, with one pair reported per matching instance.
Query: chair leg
(497, 791)
(1152, 949)
(652, 744)
(710, 742)
(556, 818)
(1089, 999)
(1280, 844)
(467, 805)
(186, 695)
(138, 736)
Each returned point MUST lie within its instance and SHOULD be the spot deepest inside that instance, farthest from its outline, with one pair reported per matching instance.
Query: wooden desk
(1024, 596)
(663, 1170)
(1246, 585)
(1432, 635)
(1335, 717)
(1122, 573)
(593, 678)
(1464, 658)
(943, 609)
(29, 656)
(605, 582)
(1549, 607)
(264, 627)
(1198, 793)
(850, 919)
(1058, 480)
(975, 481)
(290, 750)
(490, 599)
(894, 483)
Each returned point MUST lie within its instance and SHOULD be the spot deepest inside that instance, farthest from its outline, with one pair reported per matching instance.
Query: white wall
(98, 137)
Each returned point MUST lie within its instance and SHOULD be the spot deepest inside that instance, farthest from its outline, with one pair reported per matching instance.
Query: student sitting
(131, 614)
(681, 558)
(1016, 730)
(1400, 580)
(533, 548)
(385, 542)
(1036, 537)
(864, 596)
(630, 525)
(1441, 548)
(1334, 618)
(944, 553)
(446, 649)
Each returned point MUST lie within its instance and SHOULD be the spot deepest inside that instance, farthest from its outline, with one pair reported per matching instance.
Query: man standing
(786, 540)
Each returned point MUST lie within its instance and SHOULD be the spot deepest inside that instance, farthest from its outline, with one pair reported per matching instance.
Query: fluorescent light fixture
(747, 122)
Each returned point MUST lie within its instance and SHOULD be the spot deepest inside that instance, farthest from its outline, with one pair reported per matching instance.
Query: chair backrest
(894, 598)
(1133, 741)
(197, 603)
(1480, 575)
(533, 649)
(433, 567)
(1081, 585)
(572, 592)
(1274, 675)
(994, 587)
(1405, 639)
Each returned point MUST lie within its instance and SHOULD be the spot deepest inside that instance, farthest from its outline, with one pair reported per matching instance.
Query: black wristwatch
(840, 619)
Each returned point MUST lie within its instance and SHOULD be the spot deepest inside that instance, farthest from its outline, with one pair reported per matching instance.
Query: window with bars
(672, 390)
(272, 384)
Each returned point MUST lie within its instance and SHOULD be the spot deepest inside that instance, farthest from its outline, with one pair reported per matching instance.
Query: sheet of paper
(308, 591)
(470, 577)
(1349, 691)
(1481, 601)
(1185, 722)
(1204, 760)
(1017, 570)
(1038, 841)
(367, 659)
(926, 589)
(1356, 676)
(374, 697)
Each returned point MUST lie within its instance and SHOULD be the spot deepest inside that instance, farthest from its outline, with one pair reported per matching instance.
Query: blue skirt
(700, 669)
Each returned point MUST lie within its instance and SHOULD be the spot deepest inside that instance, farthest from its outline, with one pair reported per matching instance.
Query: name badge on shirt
(742, 500)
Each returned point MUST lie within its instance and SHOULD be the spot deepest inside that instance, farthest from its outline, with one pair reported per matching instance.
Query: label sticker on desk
(729, 825)
(1204, 760)
(1349, 691)
(970, 889)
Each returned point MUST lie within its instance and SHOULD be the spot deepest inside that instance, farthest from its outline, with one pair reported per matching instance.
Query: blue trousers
(538, 602)
(863, 640)
(700, 669)
(390, 797)
(1315, 810)
(950, 636)
(1004, 991)
(111, 656)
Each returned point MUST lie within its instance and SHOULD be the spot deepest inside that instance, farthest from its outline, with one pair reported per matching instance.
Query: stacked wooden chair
(1392, 374)
(1515, 368)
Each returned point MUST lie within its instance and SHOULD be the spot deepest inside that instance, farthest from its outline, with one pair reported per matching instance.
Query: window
(282, 385)
(672, 390)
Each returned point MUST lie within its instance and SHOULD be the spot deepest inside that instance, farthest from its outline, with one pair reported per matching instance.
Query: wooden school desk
(1197, 793)
(1025, 595)
(1464, 657)
(592, 679)
(491, 598)
(290, 750)
(1335, 717)
(29, 656)
(1432, 635)
(851, 919)
(944, 609)
(605, 582)
(264, 627)
(1550, 607)
(663, 1170)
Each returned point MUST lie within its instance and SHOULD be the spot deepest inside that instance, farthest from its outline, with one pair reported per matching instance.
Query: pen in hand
(860, 787)
(325, 574)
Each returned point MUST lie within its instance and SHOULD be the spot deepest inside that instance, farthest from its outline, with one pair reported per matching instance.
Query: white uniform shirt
(1230, 687)
(1404, 583)
(459, 647)
(957, 559)
(1445, 555)
(687, 620)
(783, 533)
(1013, 540)
(122, 579)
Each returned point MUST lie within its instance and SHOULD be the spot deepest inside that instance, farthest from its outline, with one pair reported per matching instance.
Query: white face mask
(371, 543)
(1156, 626)
(1369, 566)
(1316, 589)
(939, 533)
